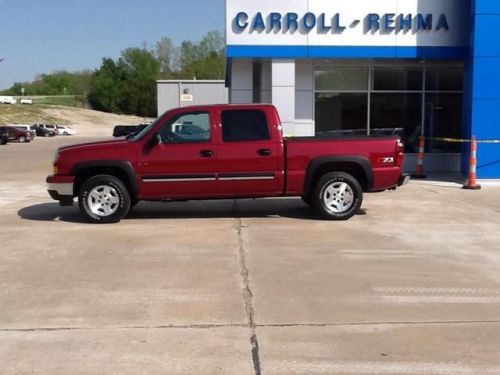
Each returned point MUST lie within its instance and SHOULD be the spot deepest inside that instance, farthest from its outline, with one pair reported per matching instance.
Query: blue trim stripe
(238, 51)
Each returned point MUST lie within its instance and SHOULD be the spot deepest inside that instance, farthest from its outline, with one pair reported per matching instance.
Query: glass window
(443, 119)
(186, 128)
(397, 79)
(396, 95)
(444, 78)
(397, 114)
(244, 125)
(343, 79)
(341, 113)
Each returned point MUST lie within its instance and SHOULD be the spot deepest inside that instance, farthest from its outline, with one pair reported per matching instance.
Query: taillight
(400, 154)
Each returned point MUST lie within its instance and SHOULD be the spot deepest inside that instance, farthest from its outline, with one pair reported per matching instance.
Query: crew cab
(224, 151)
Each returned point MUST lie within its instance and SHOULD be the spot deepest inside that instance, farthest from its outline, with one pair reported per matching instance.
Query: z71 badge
(388, 160)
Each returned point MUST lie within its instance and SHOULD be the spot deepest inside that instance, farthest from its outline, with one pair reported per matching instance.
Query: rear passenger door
(248, 156)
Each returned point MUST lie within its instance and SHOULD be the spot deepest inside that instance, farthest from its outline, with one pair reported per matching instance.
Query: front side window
(186, 128)
(244, 126)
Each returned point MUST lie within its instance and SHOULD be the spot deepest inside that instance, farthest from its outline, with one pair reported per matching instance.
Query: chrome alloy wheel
(103, 200)
(338, 197)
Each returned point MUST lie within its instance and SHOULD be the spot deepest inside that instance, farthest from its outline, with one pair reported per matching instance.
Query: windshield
(143, 132)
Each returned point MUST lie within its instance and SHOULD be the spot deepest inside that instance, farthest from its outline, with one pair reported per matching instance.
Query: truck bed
(376, 152)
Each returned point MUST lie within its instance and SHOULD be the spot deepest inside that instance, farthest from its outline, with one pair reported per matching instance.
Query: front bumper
(403, 179)
(60, 188)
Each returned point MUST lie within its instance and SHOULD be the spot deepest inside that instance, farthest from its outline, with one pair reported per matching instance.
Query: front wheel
(337, 196)
(104, 199)
(22, 139)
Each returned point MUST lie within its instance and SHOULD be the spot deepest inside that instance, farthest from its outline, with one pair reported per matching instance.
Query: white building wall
(283, 93)
(266, 82)
(286, 83)
(304, 97)
(241, 82)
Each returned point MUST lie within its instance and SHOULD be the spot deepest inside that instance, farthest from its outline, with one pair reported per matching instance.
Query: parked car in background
(26, 101)
(7, 100)
(4, 137)
(126, 130)
(17, 134)
(65, 130)
(42, 132)
(49, 126)
(25, 127)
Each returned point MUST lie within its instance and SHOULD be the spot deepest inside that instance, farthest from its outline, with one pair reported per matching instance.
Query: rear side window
(244, 126)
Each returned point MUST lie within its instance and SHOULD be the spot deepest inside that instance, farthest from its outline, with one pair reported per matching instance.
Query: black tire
(22, 139)
(345, 204)
(118, 207)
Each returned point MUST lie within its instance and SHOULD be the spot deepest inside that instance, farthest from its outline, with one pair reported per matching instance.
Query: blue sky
(40, 36)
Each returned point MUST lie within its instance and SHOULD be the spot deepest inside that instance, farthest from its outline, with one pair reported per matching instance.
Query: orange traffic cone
(471, 180)
(419, 170)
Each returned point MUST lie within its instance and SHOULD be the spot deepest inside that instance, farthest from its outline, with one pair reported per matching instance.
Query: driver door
(183, 164)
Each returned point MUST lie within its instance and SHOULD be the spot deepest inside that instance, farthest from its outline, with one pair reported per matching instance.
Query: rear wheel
(104, 199)
(337, 196)
(22, 139)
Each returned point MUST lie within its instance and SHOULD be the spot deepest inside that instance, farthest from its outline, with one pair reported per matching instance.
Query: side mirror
(155, 140)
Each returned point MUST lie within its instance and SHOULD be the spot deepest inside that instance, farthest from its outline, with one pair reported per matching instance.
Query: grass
(25, 114)
(67, 100)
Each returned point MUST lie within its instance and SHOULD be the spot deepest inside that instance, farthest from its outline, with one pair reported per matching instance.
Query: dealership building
(402, 67)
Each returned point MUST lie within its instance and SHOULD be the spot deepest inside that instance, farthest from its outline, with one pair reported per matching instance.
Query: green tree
(165, 53)
(106, 91)
(56, 83)
(139, 90)
(212, 41)
(205, 60)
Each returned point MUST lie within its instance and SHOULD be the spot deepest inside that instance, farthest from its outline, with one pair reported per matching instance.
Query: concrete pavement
(409, 286)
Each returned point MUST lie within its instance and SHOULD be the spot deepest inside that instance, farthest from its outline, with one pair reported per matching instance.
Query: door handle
(264, 152)
(206, 153)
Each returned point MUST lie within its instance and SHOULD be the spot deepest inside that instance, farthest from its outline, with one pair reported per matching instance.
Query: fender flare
(123, 165)
(315, 164)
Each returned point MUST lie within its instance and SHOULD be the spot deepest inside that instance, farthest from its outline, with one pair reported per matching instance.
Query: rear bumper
(60, 188)
(403, 179)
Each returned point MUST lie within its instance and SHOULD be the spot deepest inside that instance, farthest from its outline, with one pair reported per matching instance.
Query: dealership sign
(292, 22)
(346, 23)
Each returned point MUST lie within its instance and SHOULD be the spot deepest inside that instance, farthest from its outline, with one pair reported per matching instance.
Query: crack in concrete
(395, 323)
(169, 326)
(253, 339)
(247, 293)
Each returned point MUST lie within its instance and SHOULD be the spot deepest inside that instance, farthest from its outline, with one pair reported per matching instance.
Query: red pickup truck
(223, 151)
